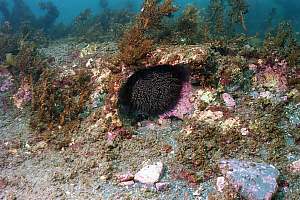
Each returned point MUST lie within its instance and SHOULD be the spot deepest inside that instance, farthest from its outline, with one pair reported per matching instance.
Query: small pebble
(103, 178)
(161, 186)
(228, 100)
(295, 167)
(221, 183)
(244, 131)
(125, 177)
(126, 183)
(149, 174)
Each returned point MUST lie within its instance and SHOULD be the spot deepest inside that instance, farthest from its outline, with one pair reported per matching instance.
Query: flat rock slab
(149, 174)
(175, 54)
(254, 181)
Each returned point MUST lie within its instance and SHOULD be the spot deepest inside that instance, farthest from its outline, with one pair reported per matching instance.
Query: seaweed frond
(137, 41)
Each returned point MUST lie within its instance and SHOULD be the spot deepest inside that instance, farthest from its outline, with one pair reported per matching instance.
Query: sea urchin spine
(152, 91)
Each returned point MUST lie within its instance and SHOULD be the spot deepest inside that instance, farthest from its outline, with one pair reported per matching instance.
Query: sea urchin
(152, 91)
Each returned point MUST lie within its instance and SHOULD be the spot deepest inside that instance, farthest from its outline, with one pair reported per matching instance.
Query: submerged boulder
(254, 181)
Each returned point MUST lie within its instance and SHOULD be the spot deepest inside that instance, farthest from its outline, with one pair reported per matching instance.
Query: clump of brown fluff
(152, 91)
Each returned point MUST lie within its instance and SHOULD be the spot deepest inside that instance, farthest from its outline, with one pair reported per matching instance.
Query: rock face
(254, 181)
(149, 174)
(175, 54)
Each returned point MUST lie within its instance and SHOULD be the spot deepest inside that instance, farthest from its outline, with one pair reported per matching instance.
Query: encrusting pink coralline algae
(184, 105)
(272, 76)
(6, 81)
